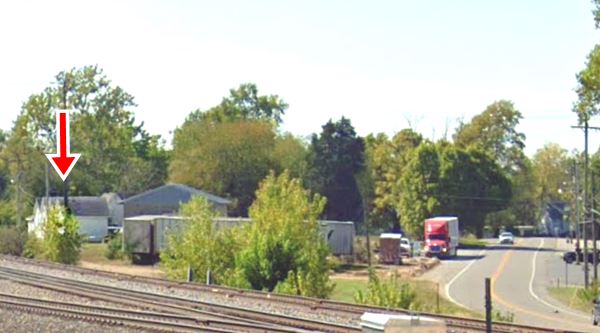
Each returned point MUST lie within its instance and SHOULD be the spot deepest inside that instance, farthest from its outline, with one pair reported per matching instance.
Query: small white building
(91, 212)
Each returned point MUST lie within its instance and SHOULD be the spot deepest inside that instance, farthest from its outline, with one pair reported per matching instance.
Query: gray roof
(176, 192)
(81, 206)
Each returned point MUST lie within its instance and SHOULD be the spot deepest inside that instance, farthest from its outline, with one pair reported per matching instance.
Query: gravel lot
(179, 292)
(15, 321)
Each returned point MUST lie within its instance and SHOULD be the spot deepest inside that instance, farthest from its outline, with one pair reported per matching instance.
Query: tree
(285, 249)
(199, 245)
(420, 181)
(228, 159)
(290, 153)
(551, 166)
(244, 103)
(588, 87)
(472, 185)
(388, 158)
(103, 130)
(335, 157)
(495, 130)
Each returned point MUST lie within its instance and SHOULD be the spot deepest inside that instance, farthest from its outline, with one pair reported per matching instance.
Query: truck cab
(441, 236)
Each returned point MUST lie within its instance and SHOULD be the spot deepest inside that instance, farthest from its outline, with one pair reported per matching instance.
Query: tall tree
(228, 159)
(495, 130)
(552, 170)
(420, 181)
(335, 158)
(103, 130)
(244, 103)
(388, 159)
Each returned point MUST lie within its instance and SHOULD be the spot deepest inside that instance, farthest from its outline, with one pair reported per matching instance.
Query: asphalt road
(520, 276)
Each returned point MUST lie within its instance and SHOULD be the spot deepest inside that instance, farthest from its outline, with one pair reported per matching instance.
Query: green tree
(472, 185)
(387, 159)
(244, 103)
(103, 129)
(285, 249)
(228, 159)
(495, 130)
(552, 171)
(201, 246)
(588, 87)
(420, 181)
(335, 158)
(290, 153)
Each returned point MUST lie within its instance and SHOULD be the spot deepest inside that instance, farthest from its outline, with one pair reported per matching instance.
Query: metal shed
(167, 199)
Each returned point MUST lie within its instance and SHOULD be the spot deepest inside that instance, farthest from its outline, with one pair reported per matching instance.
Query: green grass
(568, 296)
(472, 242)
(94, 253)
(427, 296)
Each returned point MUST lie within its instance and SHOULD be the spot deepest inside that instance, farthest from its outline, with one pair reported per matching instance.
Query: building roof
(177, 192)
(81, 206)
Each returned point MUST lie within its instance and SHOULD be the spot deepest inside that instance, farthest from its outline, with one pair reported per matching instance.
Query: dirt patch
(410, 268)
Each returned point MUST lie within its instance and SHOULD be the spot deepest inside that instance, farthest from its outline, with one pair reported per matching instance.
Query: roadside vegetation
(471, 242)
(60, 242)
(577, 298)
(282, 250)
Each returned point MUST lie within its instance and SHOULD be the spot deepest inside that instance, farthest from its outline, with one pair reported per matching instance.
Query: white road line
(449, 284)
(553, 307)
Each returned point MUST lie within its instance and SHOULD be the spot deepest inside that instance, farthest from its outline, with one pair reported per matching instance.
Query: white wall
(94, 227)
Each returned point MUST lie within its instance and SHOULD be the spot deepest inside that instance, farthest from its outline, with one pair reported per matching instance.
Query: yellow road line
(499, 299)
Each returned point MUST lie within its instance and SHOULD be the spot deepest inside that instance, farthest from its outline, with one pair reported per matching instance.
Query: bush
(33, 247)
(114, 248)
(62, 242)
(390, 294)
(507, 317)
(12, 241)
(198, 244)
(285, 250)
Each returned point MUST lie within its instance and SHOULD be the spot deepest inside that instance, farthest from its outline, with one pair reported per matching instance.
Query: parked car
(506, 238)
(571, 256)
(405, 247)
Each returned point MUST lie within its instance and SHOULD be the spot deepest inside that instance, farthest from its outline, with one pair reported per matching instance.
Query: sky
(386, 65)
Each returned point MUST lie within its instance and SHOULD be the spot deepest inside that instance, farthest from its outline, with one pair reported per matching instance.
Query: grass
(568, 296)
(471, 242)
(94, 253)
(427, 296)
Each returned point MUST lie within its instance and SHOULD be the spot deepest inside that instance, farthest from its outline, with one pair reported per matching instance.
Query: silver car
(506, 238)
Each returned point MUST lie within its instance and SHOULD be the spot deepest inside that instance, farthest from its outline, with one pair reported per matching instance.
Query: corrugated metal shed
(165, 200)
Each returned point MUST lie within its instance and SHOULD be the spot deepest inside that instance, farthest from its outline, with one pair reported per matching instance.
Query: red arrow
(63, 161)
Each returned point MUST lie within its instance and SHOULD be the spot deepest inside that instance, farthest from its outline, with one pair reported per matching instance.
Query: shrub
(33, 247)
(285, 250)
(200, 245)
(12, 241)
(62, 242)
(507, 317)
(114, 248)
(591, 293)
(390, 294)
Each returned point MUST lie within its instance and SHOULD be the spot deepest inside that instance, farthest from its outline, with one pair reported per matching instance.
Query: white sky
(379, 63)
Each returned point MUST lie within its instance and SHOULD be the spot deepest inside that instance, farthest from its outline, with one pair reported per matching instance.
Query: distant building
(167, 199)
(91, 212)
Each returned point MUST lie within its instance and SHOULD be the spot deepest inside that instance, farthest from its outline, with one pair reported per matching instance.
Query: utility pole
(577, 216)
(66, 182)
(586, 197)
(594, 246)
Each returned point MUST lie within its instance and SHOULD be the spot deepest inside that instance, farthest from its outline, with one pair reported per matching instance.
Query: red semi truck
(441, 236)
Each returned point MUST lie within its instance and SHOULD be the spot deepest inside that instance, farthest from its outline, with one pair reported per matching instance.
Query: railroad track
(305, 304)
(153, 321)
(272, 322)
